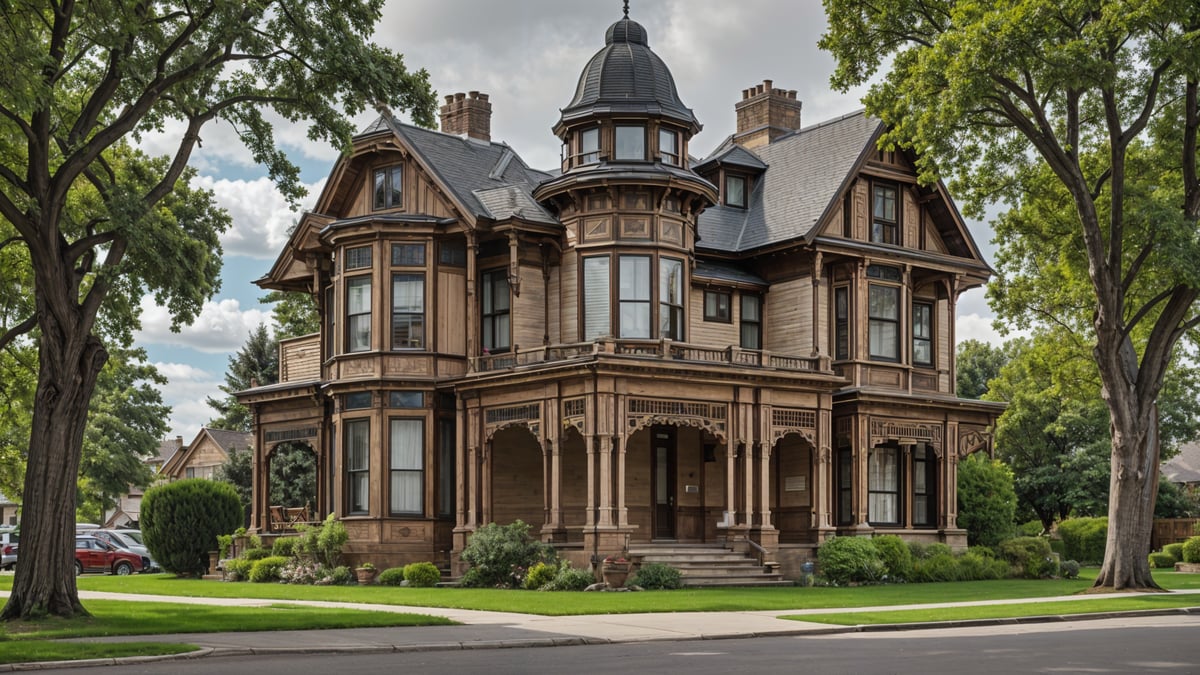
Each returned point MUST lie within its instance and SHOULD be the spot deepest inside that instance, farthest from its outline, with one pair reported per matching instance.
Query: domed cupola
(627, 78)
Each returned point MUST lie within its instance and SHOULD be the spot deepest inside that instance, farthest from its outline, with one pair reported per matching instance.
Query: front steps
(706, 565)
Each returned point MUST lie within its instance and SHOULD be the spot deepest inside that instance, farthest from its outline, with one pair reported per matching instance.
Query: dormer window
(589, 146)
(630, 143)
(885, 224)
(389, 187)
(668, 147)
(735, 191)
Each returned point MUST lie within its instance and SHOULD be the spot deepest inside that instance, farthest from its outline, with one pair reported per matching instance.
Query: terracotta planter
(615, 573)
(365, 575)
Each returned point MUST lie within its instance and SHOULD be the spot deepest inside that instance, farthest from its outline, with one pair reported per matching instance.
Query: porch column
(822, 498)
(749, 455)
(592, 505)
(622, 509)
(472, 299)
(764, 495)
(605, 444)
(554, 494)
(861, 453)
(464, 463)
(948, 463)
(485, 481)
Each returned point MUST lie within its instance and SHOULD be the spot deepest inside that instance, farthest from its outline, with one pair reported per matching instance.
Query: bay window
(358, 465)
(596, 314)
(358, 314)
(408, 311)
(670, 299)
(589, 146)
(883, 485)
(407, 466)
(883, 314)
(634, 296)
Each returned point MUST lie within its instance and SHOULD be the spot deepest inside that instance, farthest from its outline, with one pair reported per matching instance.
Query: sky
(527, 56)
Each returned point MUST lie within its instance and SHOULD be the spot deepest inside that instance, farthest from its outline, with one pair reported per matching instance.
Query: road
(1143, 645)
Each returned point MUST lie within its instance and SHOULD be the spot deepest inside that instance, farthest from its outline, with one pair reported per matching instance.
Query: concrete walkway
(484, 629)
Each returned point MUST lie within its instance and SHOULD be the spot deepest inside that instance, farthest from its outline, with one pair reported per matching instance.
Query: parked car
(123, 539)
(97, 555)
(8, 549)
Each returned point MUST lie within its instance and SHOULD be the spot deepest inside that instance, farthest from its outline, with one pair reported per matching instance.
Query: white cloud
(261, 215)
(186, 391)
(975, 327)
(221, 327)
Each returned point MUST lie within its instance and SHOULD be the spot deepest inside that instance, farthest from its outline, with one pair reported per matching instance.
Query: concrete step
(708, 565)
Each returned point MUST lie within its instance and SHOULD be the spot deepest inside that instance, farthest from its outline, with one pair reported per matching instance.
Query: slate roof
(229, 440)
(807, 170)
(474, 170)
(732, 154)
(1185, 466)
(707, 269)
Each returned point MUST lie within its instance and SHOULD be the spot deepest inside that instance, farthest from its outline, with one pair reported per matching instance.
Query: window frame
(841, 323)
(875, 322)
(925, 467)
(489, 293)
(730, 178)
(394, 472)
(875, 490)
(388, 188)
(354, 471)
(716, 315)
(845, 486)
(352, 260)
(881, 225)
(644, 304)
(447, 485)
(589, 152)
(671, 158)
(755, 324)
(419, 342)
(353, 318)
(919, 307)
(452, 253)
(594, 294)
(404, 248)
(617, 140)
(671, 322)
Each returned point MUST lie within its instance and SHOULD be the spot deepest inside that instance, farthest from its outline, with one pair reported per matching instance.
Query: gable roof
(224, 439)
(806, 171)
(1185, 466)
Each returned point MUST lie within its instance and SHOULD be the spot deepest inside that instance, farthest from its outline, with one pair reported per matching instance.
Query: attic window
(885, 223)
(389, 187)
(735, 191)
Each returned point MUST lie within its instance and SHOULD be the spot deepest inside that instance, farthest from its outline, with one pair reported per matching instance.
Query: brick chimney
(764, 114)
(468, 114)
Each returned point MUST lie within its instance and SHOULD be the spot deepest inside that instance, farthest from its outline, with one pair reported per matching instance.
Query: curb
(207, 652)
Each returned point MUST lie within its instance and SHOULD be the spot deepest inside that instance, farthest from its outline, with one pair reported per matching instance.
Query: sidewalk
(491, 630)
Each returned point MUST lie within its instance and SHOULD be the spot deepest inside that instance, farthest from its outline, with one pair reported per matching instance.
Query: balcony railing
(662, 350)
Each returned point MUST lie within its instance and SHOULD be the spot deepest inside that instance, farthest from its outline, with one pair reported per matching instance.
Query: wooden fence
(1171, 530)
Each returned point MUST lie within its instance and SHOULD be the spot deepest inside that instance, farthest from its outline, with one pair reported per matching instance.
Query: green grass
(28, 651)
(1120, 603)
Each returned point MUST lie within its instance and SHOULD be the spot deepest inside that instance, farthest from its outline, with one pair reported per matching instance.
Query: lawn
(38, 640)
(557, 604)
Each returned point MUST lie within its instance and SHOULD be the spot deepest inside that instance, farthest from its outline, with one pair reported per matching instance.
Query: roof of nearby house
(228, 440)
(806, 171)
(1185, 466)
(166, 449)
(5, 500)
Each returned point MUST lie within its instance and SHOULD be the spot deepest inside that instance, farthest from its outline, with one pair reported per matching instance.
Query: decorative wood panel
(925, 381)
(671, 231)
(635, 227)
(712, 417)
(569, 299)
(406, 532)
(635, 201)
(786, 421)
(912, 219)
(883, 377)
(528, 415)
(358, 367)
(554, 320)
(884, 429)
(597, 202)
(408, 365)
(597, 229)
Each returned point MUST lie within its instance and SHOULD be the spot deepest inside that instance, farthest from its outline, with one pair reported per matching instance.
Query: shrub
(342, 576)
(850, 559)
(499, 554)
(895, 554)
(1175, 551)
(267, 569)
(237, 569)
(285, 546)
(301, 571)
(539, 575)
(255, 554)
(1161, 560)
(1070, 569)
(937, 548)
(1084, 538)
(182, 520)
(1032, 528)
(570, 579)
(938, 567)
(392, 576)
(1191, 550)
(986, 500)
(224, 543)
(975, 565)
(658, 576)
(422, 574)
(1029, 556)
(324, 543)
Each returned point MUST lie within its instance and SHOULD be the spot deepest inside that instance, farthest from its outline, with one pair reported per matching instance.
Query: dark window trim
(885, 225)
(353, 261)
(487, 325)
(401, 251)
(717, 316)
(351, 470)
(845, 487)
(388, 187)
(616, 146)
(755, 324)
(898, 493)
(452, 253)
(931, 505)
(648, 301)
(928, 338)
(674, 311)
(416, 339)
(841, 323)
(726, 191)
(872, 319)
(350, 316)
(588, 155)
(671, 158)
(392, 470)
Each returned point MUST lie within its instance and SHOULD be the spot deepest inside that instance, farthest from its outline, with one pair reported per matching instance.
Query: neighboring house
(753, 349)
(1184, 468)
(8, 511)
(128, 508)
(201, 457)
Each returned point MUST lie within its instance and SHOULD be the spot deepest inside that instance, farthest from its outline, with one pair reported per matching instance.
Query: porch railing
(662, 350)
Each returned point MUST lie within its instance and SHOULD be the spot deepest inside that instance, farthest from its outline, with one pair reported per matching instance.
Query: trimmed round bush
(658, 577)
(237, 569)
(499, 554)
(181, 522)
(1162, 560)
(267, 569)
(539, 575)
(422, 574)
(392, 576)
(1084, 539)
(1175, 551)
(285, 546)
(850, 559)
(1191, 550)
(1029, 556)
(896, 556)
(1070, 569)
(570, 579)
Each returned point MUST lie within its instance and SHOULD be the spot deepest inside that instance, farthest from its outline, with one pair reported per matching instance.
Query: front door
(662, 444)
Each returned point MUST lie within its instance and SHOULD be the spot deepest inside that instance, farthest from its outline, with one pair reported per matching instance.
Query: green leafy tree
(295, 313)
(986, 500)
(1084, 117)
(94, 224)
(293, 476)
(238, 471)
(255, 364)
(976, 364)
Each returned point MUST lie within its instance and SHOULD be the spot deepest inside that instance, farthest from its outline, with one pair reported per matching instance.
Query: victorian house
(754, 350)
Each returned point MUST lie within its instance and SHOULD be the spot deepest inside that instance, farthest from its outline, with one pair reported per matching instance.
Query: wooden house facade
(755, 349)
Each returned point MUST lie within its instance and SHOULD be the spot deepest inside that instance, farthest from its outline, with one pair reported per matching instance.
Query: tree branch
(17, 331)
(1136, 266)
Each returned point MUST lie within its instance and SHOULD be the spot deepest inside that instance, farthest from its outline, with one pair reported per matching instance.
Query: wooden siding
(569, 301)
(299, 359)
(554, 320)
(529, 309)
(711, 333)
(910, 225)
(451, 314)
(420, 193)
(787, 317)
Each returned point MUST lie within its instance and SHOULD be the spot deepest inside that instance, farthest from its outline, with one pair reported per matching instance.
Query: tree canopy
(255, 364)
(90, 222)
(1082, 117)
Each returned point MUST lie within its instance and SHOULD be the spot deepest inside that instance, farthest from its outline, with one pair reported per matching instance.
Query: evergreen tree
(255, 364)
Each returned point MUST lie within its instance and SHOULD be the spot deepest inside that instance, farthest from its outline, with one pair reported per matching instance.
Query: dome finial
(626, 9)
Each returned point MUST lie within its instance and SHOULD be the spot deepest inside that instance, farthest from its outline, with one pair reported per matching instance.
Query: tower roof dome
(626, 77)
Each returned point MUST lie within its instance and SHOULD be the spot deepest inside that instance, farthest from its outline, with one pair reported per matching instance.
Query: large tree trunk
(69, 362)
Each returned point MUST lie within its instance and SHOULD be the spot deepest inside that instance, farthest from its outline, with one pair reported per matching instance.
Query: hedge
(182, 520)
(1084, 539)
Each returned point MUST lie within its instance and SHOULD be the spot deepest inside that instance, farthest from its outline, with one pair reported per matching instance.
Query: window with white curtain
(670, 299)
(597, 316)
(883, 485)
(407, 466)
(358, 465)
(358, 314)
(408, 311)
(634, 293)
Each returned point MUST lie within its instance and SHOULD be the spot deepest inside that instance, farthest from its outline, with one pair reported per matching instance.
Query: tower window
(631, 143)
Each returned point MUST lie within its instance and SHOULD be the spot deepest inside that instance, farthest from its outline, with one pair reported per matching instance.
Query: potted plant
(366, 573)
(615, 569)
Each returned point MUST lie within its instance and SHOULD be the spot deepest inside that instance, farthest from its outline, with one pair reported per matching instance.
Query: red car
(94, 555)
